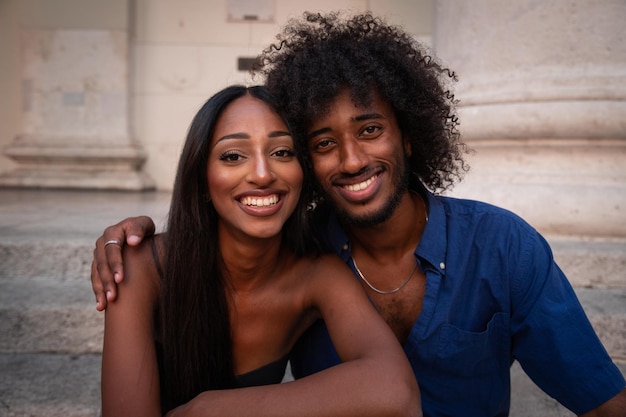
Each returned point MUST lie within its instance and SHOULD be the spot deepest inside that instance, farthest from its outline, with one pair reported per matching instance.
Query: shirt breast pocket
(466, 353)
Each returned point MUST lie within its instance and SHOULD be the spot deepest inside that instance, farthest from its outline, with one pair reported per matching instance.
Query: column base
(114, 167)
(562, 187)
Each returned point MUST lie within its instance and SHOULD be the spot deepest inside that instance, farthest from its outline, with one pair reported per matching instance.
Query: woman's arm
(130, 380)
(375, 378)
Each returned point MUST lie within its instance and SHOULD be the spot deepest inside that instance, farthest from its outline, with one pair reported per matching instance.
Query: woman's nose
(261, 171)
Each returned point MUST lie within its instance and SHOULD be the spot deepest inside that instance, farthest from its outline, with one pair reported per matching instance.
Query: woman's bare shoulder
(326, 269)
(142, 262)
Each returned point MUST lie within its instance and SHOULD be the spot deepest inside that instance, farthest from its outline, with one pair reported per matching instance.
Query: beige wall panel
(165, 118)
(74, 14)
(293, 9)
(416, 16)
(162, 162)
(186, 69)
(78, 81)
(168, 69)
(162, 121)
(187, 22)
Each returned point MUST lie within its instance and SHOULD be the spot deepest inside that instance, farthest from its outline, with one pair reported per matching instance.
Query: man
(466, 287)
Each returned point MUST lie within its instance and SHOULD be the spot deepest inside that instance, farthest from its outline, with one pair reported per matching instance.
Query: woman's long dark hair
(194, 319)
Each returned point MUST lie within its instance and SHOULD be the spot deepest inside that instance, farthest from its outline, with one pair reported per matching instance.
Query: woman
(211, 309)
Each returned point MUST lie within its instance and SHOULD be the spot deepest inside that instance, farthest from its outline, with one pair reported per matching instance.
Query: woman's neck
(250, 262)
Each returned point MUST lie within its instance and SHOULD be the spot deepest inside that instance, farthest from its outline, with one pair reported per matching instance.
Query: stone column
(542, 90)
(75, 104)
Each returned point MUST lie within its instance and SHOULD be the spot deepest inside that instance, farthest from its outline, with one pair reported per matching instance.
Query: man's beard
(372, 219)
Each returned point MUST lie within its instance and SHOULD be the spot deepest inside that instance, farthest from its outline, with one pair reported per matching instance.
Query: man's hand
(107, 269)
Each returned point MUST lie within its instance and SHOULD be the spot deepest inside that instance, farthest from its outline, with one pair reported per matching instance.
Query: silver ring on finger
(112, 242)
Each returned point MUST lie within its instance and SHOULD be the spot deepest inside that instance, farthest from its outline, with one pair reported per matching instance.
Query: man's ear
(407, 146)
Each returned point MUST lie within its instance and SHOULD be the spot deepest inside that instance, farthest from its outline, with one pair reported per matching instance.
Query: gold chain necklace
(406, 280)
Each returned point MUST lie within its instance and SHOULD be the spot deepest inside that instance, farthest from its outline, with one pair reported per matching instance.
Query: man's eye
(371, 130)
(323, 143)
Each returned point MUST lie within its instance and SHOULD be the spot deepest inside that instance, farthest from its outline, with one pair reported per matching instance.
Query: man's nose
(352, 156)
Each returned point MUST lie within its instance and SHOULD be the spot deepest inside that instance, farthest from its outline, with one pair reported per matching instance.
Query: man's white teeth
(260, 201)
(362, 185)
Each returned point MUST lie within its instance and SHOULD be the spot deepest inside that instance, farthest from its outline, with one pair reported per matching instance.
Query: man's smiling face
(359, 159)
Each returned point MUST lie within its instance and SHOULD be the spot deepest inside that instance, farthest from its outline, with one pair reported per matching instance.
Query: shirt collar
(434, 241)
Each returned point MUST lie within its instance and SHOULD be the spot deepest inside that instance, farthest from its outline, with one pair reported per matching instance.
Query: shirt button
(442, 265)
(345, 246)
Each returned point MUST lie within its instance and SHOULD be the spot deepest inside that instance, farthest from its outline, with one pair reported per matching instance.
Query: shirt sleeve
(553, 339)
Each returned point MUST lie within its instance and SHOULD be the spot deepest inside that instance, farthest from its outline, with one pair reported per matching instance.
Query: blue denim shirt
(493, 295)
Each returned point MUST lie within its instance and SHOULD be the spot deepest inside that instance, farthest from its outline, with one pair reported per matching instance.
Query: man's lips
(359, 192)
(361, 185)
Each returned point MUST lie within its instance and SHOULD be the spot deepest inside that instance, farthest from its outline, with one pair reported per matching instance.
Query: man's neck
(395, 236)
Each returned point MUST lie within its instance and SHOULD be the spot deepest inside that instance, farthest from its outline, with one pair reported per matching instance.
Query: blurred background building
(98, 95)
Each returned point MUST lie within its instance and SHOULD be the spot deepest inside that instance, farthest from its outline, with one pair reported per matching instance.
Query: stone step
(53, 260)
(528, 400)
(49, 385)
(591, 262)
(46, 301)
(49, 315)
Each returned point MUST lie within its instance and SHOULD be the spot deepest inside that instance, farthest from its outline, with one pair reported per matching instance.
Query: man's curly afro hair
(316, 57)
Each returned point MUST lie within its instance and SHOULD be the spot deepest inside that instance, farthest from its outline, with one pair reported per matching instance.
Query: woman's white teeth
(362, 185)
(260, 201)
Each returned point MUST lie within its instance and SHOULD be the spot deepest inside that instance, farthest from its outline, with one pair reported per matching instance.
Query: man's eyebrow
(367, 116)
(318, 132)
(359, 118)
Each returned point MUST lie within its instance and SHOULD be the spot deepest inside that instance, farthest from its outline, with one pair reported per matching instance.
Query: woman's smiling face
(254, 177)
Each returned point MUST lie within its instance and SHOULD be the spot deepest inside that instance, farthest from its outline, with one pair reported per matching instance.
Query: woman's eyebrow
(278, 133)
(238, 135)
(243, 135)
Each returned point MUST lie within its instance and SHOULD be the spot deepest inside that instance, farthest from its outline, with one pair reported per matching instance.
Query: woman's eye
(285, 153)
(230, 156)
